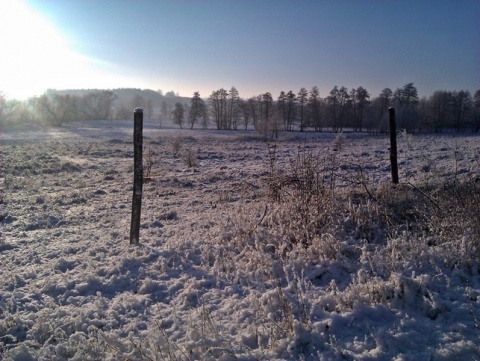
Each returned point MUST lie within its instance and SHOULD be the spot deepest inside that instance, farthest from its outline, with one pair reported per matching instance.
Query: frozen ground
(217, 274)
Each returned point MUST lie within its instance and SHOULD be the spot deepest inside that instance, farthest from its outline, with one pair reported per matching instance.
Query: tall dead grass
(319, 217)
(316, 201)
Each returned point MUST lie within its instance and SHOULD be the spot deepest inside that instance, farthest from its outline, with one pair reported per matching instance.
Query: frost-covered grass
(298, 248)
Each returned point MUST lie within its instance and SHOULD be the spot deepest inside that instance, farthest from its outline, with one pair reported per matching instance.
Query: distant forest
(342, 109)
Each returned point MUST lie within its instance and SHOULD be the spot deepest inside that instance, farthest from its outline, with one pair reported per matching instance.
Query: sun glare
(36, 56)
(32, 48)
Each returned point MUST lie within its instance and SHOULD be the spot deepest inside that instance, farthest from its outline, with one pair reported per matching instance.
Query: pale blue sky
(256, 46)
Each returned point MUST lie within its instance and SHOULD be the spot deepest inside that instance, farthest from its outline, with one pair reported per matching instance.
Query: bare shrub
(169, 216)
(189, 157)
(176, 144)
(446, 211)
(275, 180)
(407, 138)
(457, 226)
(308, 175)
(339, 141)
(149, 162)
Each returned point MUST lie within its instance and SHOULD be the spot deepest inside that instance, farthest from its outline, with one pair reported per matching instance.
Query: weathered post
(137, 175)
(393, 145)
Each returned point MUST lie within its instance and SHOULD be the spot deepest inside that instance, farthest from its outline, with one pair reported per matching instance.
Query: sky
(256, 46)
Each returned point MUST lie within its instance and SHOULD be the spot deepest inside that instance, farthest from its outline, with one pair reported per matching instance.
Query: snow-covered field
(297, 248)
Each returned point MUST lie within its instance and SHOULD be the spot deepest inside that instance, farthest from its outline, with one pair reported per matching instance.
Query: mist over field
(251, 247)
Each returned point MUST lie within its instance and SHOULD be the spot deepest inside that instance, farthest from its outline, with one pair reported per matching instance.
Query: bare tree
(245, 113)
(165, 110)
(462, 105)
(218, 105)
(379, 110)
(476, 111)
(424, 113)
(233, 108)
(405, 100)
(360, 100)
(137, 101)
(197, 109)
(343, 99)
(215, 102)
(314, 103)
(179, 114)
(123, 112)
(282, 108)
(15, 112)
(56, 109)
(266, 104)
(275, 123)
(333, 100)
(291, 100)
(302, 101)
(439, 104)
(98, 105)
(148, 109)
(3, 102)
(254, 108)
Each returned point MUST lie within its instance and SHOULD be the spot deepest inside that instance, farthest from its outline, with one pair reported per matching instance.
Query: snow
(212, 277)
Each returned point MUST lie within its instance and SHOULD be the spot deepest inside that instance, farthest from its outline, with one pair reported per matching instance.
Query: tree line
(341, 109)
(58, 107)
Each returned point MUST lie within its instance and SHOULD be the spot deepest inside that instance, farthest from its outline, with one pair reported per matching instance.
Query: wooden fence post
(137, 175)
(393, 145)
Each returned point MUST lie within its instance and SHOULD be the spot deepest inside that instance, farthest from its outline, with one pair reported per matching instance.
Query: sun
(32, 49)
(37, 56)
